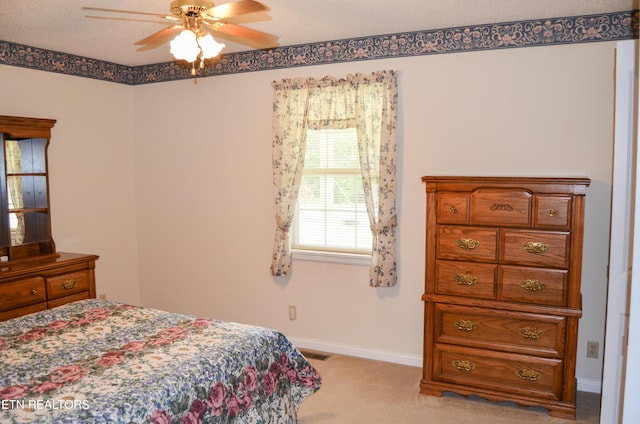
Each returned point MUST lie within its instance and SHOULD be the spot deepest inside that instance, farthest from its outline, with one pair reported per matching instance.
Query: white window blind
(331, 214)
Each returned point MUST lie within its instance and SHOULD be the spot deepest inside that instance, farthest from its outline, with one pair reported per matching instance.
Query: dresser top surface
(61, 259)
(507, 179)
(575, 185)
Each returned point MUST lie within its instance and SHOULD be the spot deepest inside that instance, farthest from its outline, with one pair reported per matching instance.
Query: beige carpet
(358, 390)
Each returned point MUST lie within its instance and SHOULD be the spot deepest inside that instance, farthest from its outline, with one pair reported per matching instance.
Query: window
(318, 183)
(331, 214)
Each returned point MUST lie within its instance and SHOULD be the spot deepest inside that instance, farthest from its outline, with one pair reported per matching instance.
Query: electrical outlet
(293, 313)
(593, 348)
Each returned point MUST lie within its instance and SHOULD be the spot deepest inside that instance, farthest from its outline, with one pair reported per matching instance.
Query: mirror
(26, 190)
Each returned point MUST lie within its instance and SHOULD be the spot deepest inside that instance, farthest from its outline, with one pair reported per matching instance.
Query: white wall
(90, 168)
(535, 111)
(203, 194)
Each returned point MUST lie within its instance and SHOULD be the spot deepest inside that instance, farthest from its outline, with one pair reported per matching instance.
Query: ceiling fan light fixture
(185, 46)
(210, 47)
(195, 22)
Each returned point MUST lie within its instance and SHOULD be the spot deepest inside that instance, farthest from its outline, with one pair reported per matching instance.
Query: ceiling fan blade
(157, 15)
(113, 18)
(231, 9)
(159, 37)
(259, 38)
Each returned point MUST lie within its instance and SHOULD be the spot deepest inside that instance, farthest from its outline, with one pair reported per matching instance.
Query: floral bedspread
(98, 361)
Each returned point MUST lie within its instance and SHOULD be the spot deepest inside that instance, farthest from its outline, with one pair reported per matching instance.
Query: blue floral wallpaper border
(540, 32)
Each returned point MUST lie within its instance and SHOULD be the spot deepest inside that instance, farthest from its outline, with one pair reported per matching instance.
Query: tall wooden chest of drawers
(502, 289)
(36, 285)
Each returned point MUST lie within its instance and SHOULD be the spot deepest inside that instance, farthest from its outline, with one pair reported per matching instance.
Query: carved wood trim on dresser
(27, 287)
(502, 288)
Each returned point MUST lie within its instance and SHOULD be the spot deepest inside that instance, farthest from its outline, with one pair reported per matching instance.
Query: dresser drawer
(519, 332)
(20, 293)
(67, 299)
(67, 284)
(505, 372)
(469, 279)
(552, 211)
(453, 208)
(18, 312)
(537, 248)
(507, 208)
(467, 243)
(533, 285)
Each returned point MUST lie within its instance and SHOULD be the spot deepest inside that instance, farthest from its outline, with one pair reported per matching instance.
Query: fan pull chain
(193, 66)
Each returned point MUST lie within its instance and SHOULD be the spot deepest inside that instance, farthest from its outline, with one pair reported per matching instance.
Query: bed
(98, 361)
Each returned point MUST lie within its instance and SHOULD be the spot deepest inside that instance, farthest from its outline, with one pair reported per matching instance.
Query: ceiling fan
(191, 25)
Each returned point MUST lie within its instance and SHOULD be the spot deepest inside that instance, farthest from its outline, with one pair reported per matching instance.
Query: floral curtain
(290, 107)
(365, 102)
(376, 109)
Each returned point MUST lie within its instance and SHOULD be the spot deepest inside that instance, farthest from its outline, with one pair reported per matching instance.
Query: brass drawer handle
(529, 375)
(465, 325)
(533, 285)
(34, 291)
(463, 365)
(553, 212)
(466, 279)
(531, 333)
(467, 244)
(70, 284)
(535, 247)
(453, 209)
(501, 207)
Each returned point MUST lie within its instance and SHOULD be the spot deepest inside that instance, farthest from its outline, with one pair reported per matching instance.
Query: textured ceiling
(60, 25)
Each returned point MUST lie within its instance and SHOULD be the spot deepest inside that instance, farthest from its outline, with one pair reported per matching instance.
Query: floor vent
(315, 355)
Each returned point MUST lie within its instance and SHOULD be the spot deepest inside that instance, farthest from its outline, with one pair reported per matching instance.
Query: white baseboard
(589, 385)
(358, 352)
(584, 384)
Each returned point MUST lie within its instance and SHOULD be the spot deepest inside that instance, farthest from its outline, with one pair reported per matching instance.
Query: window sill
(331, 257)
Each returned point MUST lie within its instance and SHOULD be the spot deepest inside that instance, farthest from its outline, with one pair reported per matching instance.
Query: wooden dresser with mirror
(502, 288)
(33, 276)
